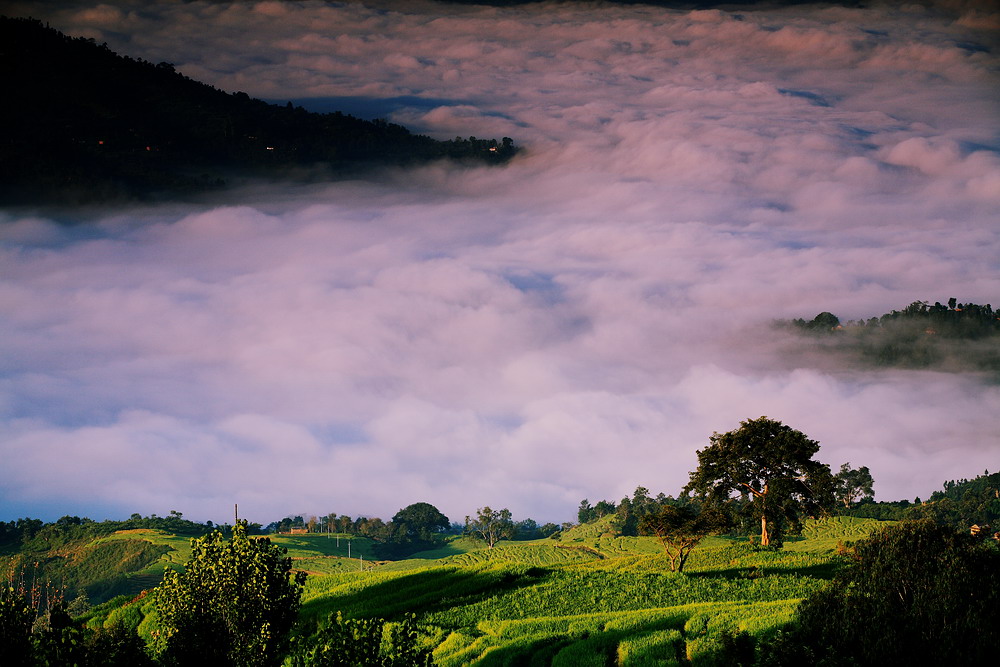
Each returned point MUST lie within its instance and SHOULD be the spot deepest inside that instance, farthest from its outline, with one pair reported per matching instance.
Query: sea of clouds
(571, 325)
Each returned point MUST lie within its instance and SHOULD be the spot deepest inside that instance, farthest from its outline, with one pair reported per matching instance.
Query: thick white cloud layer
(572, 325)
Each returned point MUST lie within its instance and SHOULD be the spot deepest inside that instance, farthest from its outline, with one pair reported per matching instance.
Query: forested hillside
(952, 337)
(82, 123)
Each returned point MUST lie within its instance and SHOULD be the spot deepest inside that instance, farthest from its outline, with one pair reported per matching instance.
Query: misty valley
(447, 329)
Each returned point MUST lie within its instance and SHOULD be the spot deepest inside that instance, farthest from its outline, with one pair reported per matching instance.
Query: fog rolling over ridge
(571, 325)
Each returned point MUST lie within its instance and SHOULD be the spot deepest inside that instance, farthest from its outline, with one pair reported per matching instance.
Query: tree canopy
(421, 521)
(769, 464)
(957, 336)
(854, 485)
(490, 525)
(234, 603)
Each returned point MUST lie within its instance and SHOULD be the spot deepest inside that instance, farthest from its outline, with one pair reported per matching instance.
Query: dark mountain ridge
(83, 124)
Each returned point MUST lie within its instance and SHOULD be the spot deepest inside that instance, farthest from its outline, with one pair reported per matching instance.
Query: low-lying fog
(572, 325)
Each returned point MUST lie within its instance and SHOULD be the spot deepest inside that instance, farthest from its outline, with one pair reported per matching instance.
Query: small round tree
(422, 521)
(234, 604)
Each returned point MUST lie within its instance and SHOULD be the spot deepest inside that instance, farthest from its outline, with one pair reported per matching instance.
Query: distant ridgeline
(956, 336)
(83, 124)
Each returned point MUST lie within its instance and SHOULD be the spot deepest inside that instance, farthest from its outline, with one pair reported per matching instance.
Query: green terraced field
(588, 598)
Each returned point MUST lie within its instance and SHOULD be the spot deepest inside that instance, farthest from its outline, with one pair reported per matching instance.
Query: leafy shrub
(918, 593)
(234, 604)
(16, 617)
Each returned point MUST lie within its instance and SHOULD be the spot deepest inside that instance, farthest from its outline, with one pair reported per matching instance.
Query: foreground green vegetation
(647, 581)
(530, 603)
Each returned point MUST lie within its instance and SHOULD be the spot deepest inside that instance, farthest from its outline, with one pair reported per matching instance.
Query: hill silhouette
(84, 124)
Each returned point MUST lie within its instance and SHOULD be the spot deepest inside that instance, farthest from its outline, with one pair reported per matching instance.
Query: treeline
(960, 505)
(35, 535)
(83, 123)
(625, 514)
(953, 336)
(66, 557)
(625, 518)
(376, 528)
(416, 527)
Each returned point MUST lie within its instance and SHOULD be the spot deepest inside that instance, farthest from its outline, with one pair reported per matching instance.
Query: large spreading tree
(768, 465)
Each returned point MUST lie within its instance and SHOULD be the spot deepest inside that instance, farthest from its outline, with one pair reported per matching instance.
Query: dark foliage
(960, 504)
(60, 559)
(82, 123)
(118, 645)
(955, 336)
(629, 511)
(963, 504)
(529, 529)
(853, 485)
(769, 466)
(917, 593)
(883, 510)
(35, 535)
(16, 618)
(421, 521)
(63, 642)
(234, 604)
(491, 525)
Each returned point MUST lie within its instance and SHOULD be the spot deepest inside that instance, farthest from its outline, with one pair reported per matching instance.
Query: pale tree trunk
(765, 537)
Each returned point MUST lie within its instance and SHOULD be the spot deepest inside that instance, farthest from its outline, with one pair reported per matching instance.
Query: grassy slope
(587, 598)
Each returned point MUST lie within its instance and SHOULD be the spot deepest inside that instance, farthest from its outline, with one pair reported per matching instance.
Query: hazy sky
(572, 325)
